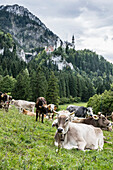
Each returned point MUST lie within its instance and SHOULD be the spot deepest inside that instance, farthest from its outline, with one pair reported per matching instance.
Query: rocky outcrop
(27, 30)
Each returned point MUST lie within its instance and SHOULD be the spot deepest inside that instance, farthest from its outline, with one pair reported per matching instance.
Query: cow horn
(99, 113)
(95, 117)
(72, 113)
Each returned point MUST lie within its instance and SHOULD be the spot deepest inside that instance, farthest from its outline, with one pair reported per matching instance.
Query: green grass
(29, 145)
(63, 107)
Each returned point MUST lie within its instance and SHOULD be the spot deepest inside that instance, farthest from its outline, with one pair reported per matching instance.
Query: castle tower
(73, 41)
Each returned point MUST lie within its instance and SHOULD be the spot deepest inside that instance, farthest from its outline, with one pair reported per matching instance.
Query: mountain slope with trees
(91, 74)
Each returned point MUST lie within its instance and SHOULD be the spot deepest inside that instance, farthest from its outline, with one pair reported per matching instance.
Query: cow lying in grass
(22, 104)
(27, 112)
(76, 135)
(80, 111)
(96, 120)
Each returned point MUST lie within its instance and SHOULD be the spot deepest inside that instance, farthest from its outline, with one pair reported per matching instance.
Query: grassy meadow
(29, 145)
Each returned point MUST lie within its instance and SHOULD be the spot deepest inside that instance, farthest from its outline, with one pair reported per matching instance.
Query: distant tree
(7, 84)
(33, 85)
(41, 84)
(73, 85)
(62, 85)
(79, 86)
(22, 88)
(53, 90)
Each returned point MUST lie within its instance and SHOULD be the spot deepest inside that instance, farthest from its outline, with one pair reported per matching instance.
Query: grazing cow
(41, 108)
(75, 135)
(22, 104)
(80, 111)
(51, 109)
(27, 112)
(96, 120)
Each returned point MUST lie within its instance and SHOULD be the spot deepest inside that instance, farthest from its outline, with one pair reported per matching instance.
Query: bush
(102, 103)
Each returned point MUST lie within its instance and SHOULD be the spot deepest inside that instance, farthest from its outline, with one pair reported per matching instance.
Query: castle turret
(73, 41)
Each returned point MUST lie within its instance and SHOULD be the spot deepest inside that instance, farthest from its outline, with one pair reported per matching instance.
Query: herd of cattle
(77, 126)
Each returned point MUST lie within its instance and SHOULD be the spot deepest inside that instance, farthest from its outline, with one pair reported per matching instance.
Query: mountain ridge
(26, 28)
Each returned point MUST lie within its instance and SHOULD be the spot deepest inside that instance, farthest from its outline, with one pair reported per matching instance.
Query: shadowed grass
(27, 144)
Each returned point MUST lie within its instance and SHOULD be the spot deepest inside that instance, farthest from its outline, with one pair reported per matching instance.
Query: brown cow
(97, 121)
(27, 112)
(41, 108)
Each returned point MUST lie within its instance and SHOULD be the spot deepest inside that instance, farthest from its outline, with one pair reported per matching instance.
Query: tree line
(92, 74)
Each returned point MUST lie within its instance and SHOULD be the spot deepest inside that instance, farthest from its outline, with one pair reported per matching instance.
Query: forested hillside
(10, 64)
(91, 74)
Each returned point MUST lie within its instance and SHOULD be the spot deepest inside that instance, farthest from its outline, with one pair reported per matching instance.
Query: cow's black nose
(60, 130)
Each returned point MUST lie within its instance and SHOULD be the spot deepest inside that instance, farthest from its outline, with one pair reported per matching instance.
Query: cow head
(89, 111)
(51, 107)
(44, 108)
(12, 101)
(102, 120)
(64, 117)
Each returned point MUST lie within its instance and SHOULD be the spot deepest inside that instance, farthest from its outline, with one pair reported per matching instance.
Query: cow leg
(52, 116)
(81, 145)
(32, 110)
(36, 115)
(42, 117)
(39, 116)
(19, 109)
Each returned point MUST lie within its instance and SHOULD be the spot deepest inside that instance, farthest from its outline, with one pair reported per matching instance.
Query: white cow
(76, 135)
(22, 104)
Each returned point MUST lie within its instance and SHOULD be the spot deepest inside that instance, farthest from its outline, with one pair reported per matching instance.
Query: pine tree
(52, 91)
(7, 84)
(33, 85)
(41, 84)
(62, 86)
(79, 86)
(73, 85)
(22, 88)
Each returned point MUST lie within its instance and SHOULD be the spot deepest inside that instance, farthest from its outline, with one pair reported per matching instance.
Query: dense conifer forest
(91, 74)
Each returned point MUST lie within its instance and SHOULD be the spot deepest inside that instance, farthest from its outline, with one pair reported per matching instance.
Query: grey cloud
(105, 38)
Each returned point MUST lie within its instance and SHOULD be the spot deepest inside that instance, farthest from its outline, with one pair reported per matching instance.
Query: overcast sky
(90, 21)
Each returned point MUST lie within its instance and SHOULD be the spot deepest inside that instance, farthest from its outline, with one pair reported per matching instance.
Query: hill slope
(27, 144)
(28, 31)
